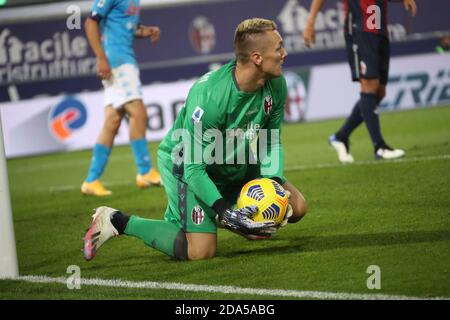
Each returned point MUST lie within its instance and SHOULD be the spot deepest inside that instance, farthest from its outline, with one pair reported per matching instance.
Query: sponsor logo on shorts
(197, 215)
(363, 67)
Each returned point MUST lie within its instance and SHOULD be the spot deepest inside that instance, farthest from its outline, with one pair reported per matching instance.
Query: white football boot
(341, 149)
(387, 153)
(100, 231)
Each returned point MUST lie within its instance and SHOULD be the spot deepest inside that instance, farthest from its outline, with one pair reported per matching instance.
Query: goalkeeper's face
(273, 54)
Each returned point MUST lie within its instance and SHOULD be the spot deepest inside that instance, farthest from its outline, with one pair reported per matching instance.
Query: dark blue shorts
(368, 56)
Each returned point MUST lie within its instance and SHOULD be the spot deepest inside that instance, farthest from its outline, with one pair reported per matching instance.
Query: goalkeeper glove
(289, 212)
(239, 221)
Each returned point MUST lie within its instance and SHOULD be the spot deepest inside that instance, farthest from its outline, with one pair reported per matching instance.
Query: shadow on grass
(325, 243)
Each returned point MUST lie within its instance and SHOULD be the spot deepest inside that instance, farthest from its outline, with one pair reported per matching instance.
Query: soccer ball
(268, 195)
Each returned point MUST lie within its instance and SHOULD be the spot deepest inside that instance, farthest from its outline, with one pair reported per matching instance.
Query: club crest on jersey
(197, 115)
(197, 215)
(268, 104)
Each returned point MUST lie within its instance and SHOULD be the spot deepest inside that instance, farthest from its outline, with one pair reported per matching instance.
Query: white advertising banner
(414, 81)
(73, 122)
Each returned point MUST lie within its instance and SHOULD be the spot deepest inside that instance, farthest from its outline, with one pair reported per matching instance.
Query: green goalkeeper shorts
(184, 209)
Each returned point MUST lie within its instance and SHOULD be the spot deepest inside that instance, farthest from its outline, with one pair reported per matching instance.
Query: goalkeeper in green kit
(227, 134)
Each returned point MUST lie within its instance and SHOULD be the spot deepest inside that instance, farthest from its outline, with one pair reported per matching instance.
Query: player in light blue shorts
(111, 29)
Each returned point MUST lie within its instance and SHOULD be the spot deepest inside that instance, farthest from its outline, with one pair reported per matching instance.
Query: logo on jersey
(202, 35)
(67, 117)
(252, 111)
(197, 215)
(133, 9)
(268, 104)
(197, 115)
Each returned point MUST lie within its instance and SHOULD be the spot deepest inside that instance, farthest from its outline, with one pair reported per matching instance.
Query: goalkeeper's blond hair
(246, 35)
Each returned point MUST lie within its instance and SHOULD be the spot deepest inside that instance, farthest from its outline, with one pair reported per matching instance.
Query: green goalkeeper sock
(159, 234)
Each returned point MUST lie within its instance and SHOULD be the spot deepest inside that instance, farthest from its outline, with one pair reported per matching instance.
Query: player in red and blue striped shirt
(368, 51)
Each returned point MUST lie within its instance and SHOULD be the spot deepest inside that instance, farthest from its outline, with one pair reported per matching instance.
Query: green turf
(391, 214)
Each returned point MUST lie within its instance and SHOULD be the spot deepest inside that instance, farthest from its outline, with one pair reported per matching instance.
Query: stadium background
(50, 57)
(50, 101)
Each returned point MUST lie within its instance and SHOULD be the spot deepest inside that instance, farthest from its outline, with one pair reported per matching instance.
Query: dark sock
(119, 220)
(350, 124)
(367, 106)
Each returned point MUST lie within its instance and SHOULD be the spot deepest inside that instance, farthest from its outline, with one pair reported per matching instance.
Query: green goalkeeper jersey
(221, 132)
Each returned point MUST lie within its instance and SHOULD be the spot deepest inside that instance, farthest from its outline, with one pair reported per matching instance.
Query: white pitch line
(121, 158)
(225, 289)
(367, 163)
(287, 169)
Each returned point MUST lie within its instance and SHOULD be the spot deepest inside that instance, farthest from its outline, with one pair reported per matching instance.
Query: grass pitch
(395, 215)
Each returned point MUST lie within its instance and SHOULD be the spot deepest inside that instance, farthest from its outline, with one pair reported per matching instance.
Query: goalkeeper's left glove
(267, 235)
(239, 220)
(288, 214)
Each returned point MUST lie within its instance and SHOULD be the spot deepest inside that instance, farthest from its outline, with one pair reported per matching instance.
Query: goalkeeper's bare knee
(297, 201)
(201, 245)
(299, 209)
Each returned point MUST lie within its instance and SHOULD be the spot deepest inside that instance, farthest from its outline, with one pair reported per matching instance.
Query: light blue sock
(98, 163)
(141, 156)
